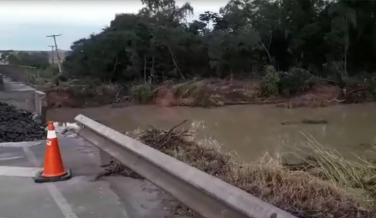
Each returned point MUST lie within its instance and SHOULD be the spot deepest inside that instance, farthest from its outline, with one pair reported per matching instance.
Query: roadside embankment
(335, 192)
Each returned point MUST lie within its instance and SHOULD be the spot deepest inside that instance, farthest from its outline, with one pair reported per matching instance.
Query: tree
(158, 43)
(33, 59)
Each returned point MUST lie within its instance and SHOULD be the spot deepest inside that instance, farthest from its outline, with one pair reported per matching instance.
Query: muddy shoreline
(204, 93)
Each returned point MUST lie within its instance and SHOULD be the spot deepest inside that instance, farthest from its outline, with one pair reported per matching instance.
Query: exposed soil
(211, 93)
(76, 96)
(220, 92)
(204, 93)
(318, 96)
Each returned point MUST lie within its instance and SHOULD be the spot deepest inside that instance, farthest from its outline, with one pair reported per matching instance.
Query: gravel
(18, 125)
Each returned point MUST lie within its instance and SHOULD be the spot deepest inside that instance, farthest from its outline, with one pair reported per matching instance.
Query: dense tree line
(322, 36)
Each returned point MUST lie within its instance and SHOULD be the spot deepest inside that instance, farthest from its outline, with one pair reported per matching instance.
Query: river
(248, 130)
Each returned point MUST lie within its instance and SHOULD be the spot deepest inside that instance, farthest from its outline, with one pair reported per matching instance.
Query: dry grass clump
(297, 192)
(196, 90)
(330, 165)
(191, 88)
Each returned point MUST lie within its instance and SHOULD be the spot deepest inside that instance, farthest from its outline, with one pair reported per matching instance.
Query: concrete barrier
(203, 193)
(24, 97)
(41, 106)
(14, 91)
(24, 74)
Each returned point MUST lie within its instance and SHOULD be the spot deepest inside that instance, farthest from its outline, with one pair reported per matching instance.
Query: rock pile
(17, 125)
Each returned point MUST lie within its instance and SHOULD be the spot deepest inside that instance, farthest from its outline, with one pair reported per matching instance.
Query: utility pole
(52, 53)
(57, 52)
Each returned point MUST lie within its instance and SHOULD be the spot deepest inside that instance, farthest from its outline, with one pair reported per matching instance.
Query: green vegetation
(39, 60)
(300, 39)
(48, 72)
(189, 89)
(290, 46)
(33, 59)
(283, 83)
(142, 93)
(341, 188)
(271, 81)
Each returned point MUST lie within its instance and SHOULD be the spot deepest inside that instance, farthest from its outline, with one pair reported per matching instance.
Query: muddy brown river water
(248, 130)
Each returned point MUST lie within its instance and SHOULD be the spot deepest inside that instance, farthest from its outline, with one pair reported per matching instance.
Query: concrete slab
(76, 198)
(10, 85)
(14, 156)
(143, 199)
(28, 172)
(91, 199)
(80, 197)
(21, 198)
(20, 144)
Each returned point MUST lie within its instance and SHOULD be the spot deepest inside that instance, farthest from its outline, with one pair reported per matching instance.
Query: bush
(190, 89)
(294, 81)
(48, 72)
(286, 83)
(142, 93)
(270, 82)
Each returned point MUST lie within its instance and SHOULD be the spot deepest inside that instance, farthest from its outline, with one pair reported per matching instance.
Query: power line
(52, 53)
(57, 52)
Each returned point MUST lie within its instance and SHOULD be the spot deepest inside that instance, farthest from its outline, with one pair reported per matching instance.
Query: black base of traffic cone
(41, 179)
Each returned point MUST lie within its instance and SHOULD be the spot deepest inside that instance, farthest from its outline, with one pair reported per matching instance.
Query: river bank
(201, 93)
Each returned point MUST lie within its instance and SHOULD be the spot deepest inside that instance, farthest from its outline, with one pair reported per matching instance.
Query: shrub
(294, 81)
(48, 72)
(270, 82)
(286, 83)
(142, 93)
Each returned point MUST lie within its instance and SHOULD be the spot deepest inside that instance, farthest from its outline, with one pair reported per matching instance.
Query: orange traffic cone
(53, 165)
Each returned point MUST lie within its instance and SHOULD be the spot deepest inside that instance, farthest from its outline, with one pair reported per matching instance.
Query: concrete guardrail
(24, 74)
(26, 97)
(203, 193)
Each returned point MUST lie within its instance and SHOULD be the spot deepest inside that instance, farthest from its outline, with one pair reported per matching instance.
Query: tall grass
(357, 176)
(142, 93)
(334, 167)
(297, 192)
(190, 88)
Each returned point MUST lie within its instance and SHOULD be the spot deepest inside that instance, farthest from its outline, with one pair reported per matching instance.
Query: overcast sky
(25, 24)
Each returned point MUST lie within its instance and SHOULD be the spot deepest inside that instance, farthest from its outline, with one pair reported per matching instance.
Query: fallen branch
(355, 91)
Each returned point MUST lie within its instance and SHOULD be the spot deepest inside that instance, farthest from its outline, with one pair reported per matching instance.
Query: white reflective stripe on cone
(51, 134)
